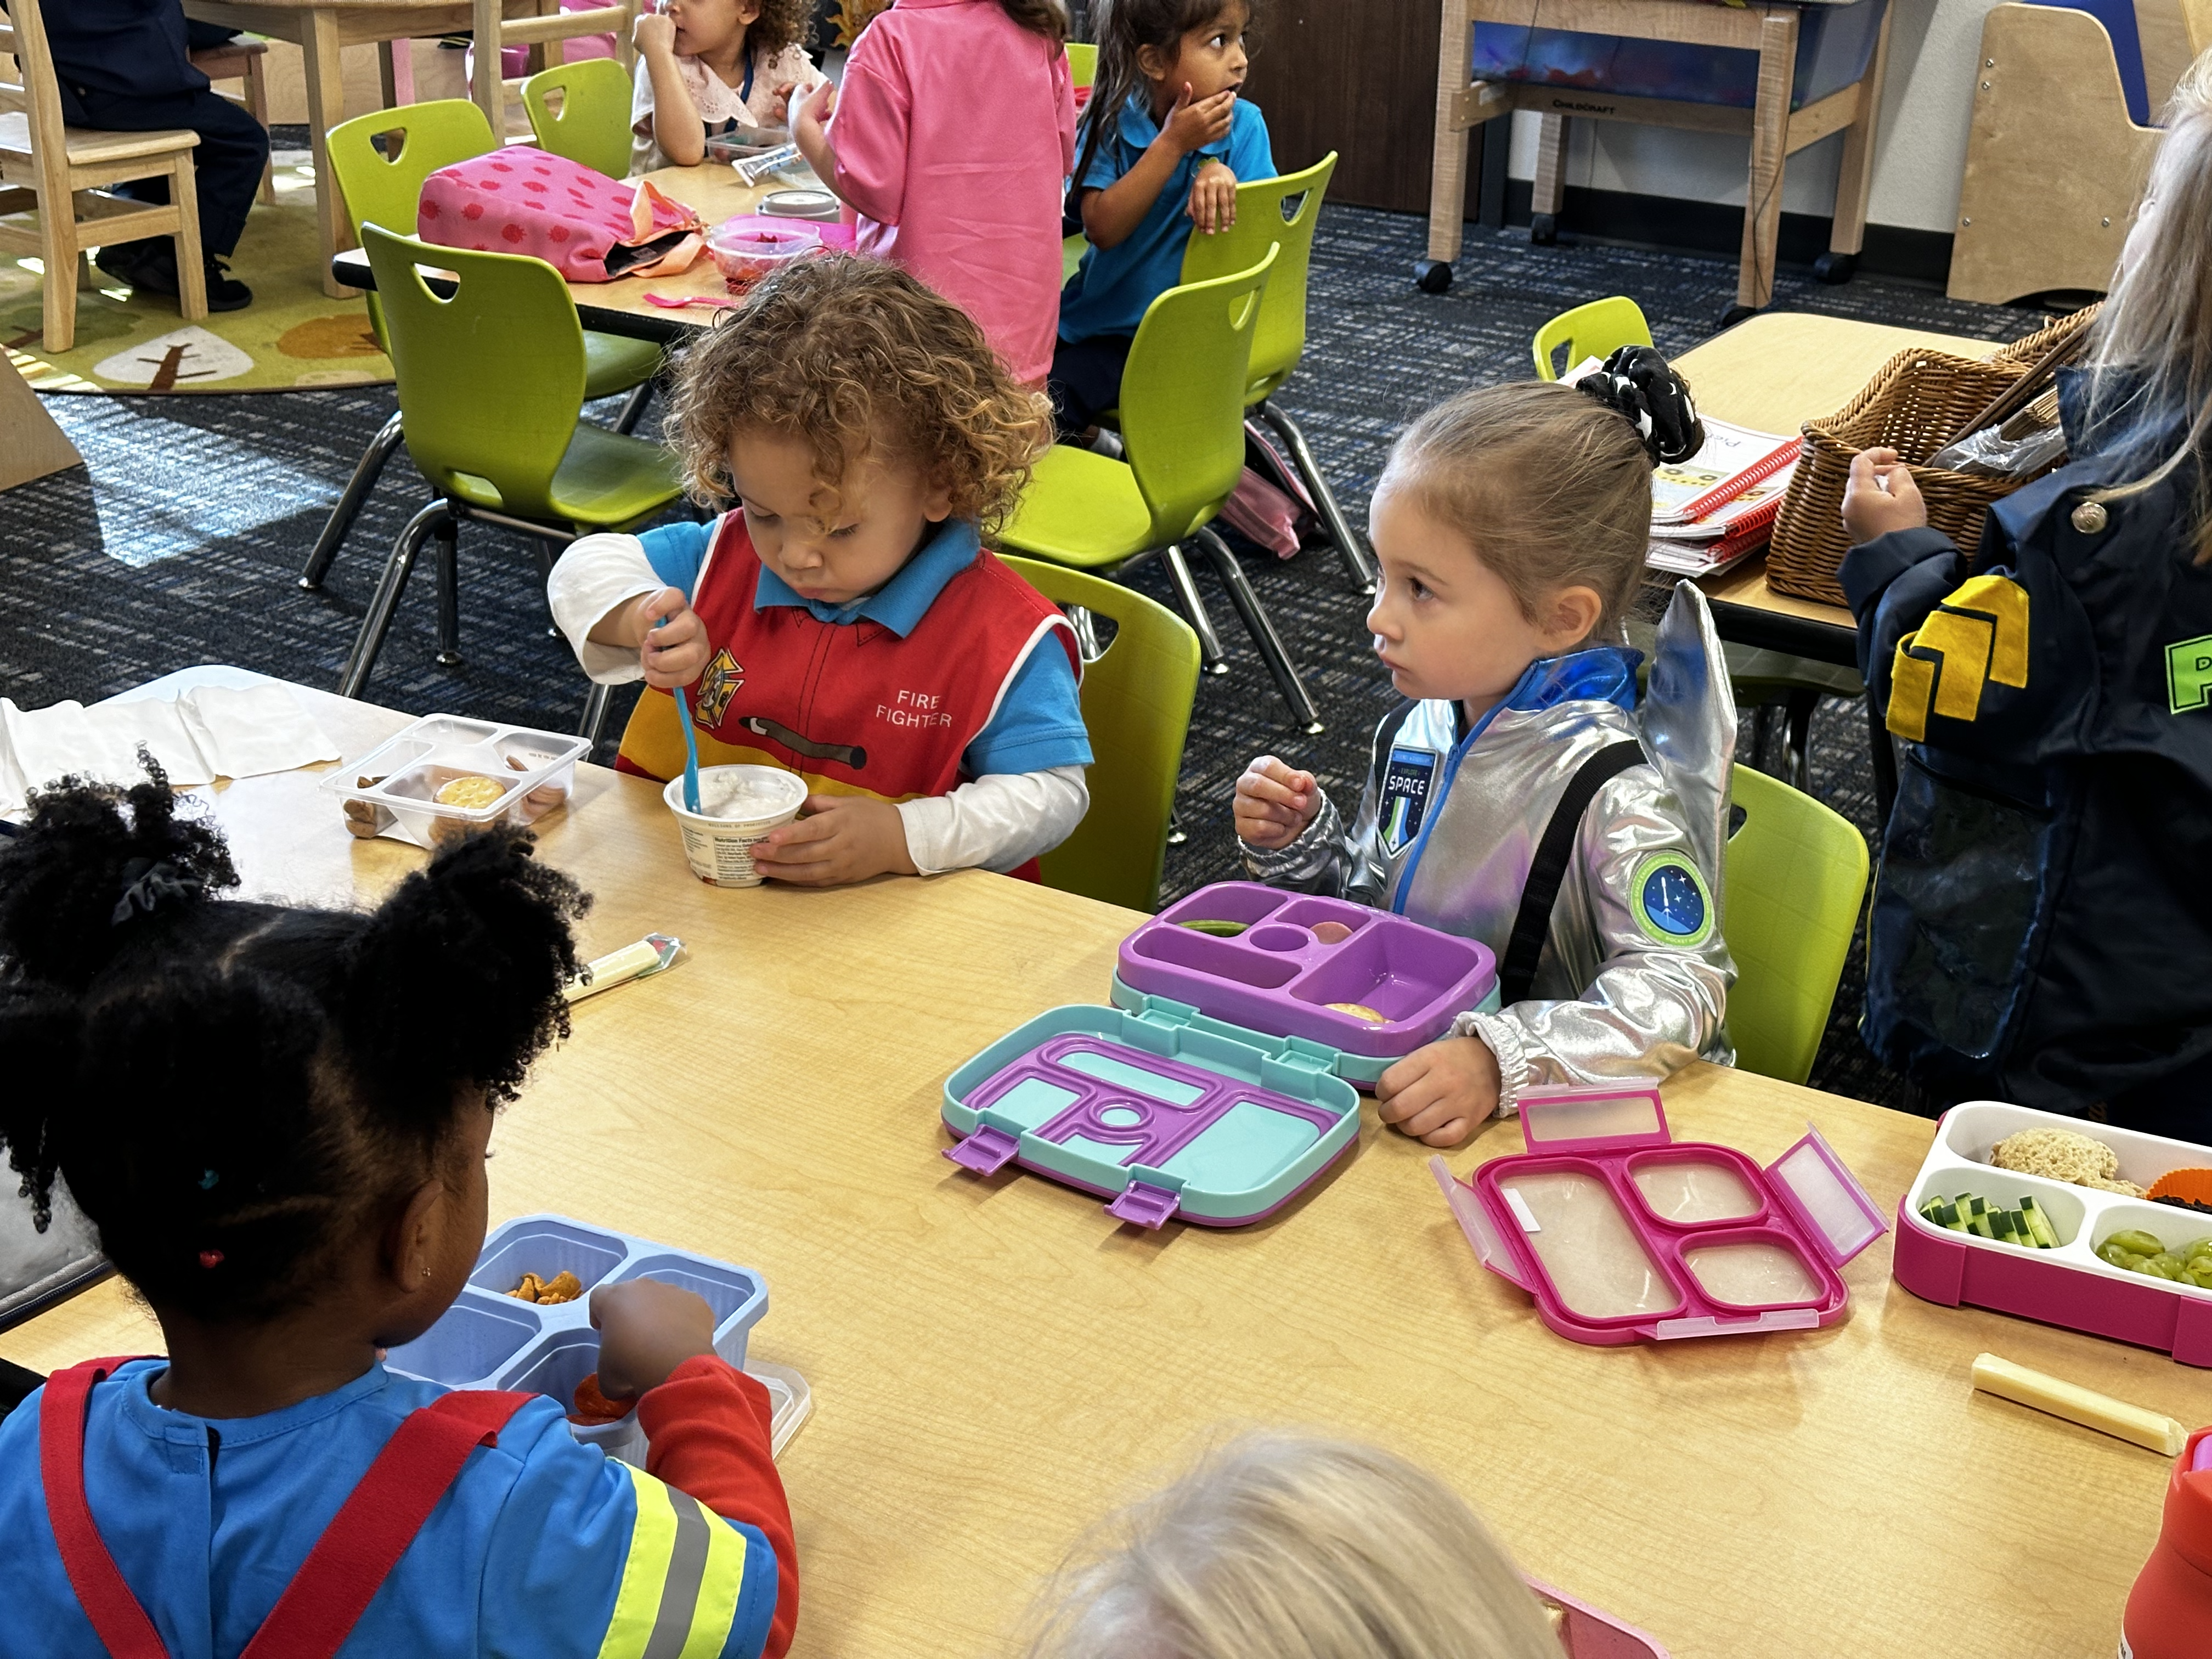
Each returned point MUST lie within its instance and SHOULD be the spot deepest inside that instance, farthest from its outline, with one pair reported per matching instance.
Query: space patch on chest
(1407, 782)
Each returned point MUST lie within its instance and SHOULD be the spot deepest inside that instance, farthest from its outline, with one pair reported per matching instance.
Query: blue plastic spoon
(691, 742)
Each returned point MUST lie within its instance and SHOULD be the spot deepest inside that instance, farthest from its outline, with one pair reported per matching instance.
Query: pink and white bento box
(2071, 1285)
(1624, 1234)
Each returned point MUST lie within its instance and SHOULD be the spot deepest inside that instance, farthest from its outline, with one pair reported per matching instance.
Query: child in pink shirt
(953, 137)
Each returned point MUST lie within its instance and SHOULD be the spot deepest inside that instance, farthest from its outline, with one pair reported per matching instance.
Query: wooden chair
(494, 29)
(59, 172)
(239, 60)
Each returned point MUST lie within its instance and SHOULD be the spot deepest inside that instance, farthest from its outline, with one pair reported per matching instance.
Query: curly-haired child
(845, 621)
(1520, 795)
(709, 67)
(277, 1120)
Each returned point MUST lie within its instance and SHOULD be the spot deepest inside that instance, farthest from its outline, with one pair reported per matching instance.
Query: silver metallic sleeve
(1313, 863)
(1646, 1008)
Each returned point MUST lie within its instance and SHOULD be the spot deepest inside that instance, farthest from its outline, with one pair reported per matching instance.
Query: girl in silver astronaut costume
(1520, 796)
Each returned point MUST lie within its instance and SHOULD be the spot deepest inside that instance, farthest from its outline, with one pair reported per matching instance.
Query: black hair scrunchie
(1639, 384)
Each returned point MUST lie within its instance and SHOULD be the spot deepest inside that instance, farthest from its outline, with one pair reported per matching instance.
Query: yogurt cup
(739, 804)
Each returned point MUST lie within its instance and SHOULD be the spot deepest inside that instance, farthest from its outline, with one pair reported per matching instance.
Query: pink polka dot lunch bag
(589, 228)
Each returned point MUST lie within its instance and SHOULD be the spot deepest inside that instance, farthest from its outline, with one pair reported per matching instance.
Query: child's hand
(816, 108)
(1881, 496)
(1274, 803)
(1192, 126)
(647, 1329)
(1213, 197)
(779, 104)
(1441, 1093)
(842, 838)
(653, 31)
(672, 644)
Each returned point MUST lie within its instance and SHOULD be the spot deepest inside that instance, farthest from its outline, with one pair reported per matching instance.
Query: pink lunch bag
(587, 225)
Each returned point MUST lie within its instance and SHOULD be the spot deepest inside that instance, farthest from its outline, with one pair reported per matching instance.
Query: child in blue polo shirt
(844, 622)
(277, 1119)
(1167, 140)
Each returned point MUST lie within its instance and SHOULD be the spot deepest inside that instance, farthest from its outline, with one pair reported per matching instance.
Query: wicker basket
(1915, 405)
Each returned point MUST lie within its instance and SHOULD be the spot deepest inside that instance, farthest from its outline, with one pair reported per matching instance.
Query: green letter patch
(2188, 673)
(1670, 902)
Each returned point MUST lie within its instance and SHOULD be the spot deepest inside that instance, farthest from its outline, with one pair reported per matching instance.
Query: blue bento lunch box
(489, 1339)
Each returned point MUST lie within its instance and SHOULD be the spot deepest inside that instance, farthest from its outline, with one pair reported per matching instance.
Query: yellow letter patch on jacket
(1979, 632)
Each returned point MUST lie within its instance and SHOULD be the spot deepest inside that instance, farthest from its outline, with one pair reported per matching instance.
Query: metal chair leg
(633, 409)
(1210, 654)
(1262, 630)
(1177, 833)
(1799, 755)
(366, 472)
(546, 558)
(377, 622)
(1762, 730)
(449, 592)
(595, 714)
(1357, 564)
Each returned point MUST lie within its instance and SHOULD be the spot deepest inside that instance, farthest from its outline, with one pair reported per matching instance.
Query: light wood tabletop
(1773, 372)
(995, 1363)
(620, 306)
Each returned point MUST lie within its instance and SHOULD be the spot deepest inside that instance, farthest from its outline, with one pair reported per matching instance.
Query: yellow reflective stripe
(681, 1584)
(2004, 602)
(1911, 683)
(717, 1606)
(1962, 645)
(651, 1541)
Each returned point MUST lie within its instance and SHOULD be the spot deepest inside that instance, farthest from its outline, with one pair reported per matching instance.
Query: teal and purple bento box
(1220, 1083)
(489, 1340)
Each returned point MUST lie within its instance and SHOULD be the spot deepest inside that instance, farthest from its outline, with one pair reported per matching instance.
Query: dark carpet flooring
(179, 540)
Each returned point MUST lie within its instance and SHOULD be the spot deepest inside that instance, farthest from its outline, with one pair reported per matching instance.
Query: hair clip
(210, 1258)
(147, 883)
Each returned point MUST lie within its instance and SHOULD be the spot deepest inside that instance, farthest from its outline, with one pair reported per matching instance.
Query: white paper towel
(208, 731)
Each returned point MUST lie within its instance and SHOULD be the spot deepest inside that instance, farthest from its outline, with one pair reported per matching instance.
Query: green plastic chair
(591, 127)
(491, 384)
(1136, 701)
(1182, 423)
(1081, 63)
(1596, 330)
(383, 186)
(1796, 877)
(1282, 212)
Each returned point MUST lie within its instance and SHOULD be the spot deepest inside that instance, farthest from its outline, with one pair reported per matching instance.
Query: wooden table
(322, 29)
(1776, 131)
(620, 306)
(995, 1363)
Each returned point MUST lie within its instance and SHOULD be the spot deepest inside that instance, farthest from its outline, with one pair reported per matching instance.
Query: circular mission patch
(1671, 904)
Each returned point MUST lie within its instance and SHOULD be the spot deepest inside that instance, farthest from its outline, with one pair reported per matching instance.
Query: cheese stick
(2076, 1404)
(648, 956)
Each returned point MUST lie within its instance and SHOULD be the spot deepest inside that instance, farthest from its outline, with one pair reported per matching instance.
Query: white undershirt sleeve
(595, 574)
(999, 822)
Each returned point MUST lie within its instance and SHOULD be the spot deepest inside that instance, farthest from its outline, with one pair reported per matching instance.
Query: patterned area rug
(292, 334)
(179, 542)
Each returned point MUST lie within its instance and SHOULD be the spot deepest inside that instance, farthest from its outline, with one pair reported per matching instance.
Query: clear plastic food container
(446, 774)
(748, 248)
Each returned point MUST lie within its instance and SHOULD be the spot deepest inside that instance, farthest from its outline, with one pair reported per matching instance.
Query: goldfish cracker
(593, 1407)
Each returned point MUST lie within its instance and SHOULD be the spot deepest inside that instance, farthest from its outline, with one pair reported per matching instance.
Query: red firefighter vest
(852, 707)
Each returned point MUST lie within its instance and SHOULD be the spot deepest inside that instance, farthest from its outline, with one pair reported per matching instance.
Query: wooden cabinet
(1360, 77)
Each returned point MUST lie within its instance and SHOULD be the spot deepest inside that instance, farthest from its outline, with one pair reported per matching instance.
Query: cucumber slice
(1981, 1223)
(2045, 1234)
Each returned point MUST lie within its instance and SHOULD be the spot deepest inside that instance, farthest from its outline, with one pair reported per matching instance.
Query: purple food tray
(1298, 954)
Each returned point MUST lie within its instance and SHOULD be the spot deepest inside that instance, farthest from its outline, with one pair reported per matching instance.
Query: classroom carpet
(293, 334)
(179, 541)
